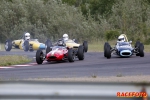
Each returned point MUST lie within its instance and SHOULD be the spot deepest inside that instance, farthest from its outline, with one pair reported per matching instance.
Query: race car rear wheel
(108, 52)
(26, 45)
(39, 57)
(8, 45)
(105, 46)
(71, 55)
(48, 45)
(80, 53)
(141, 50)
(85, 45)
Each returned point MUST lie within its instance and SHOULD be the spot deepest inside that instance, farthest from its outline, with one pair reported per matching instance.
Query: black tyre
(8, 45)
(80, 53)
(26, 45)
(141, 50)
(39, 57)
(105, 46)
(85, 45)
(137, 44)
(71, 56)
(48, 45)
(108, 51)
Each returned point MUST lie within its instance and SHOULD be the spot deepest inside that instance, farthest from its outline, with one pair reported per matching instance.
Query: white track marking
(22, 65)
(13, 66)
(2, 67)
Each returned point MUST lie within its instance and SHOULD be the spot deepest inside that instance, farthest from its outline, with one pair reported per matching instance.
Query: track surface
(93, 64)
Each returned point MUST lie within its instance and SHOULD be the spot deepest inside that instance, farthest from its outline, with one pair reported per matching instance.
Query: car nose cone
(42, 46)
(125, 53)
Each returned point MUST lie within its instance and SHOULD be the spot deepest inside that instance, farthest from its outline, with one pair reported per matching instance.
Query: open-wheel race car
(124, 49)
(73, 44)
(25, 44)
(60, 52)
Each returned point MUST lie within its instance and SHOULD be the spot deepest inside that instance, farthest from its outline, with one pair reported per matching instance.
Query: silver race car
(124, 49)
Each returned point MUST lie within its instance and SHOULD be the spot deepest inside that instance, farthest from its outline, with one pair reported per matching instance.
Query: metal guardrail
(37, 90)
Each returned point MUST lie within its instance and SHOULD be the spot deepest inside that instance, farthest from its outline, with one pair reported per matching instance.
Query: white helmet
(27, 36)
(121, 38)
(65, 37)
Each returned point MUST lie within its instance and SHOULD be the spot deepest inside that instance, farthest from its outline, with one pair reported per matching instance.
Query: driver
(65, 37)
(121, 38)
(60, 43)
(27, 36)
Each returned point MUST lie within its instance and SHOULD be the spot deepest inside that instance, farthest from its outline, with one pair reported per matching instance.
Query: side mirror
(130, 42)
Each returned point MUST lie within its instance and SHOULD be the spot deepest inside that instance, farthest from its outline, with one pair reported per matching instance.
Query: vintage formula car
(74, 44)
(124, 49)
(24, 44)
(59, 53)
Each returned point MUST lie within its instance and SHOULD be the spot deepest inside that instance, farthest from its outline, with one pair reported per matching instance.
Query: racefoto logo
(131, 94)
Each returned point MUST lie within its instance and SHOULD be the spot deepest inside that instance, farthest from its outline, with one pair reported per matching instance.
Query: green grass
(1, 47)
(8, 60)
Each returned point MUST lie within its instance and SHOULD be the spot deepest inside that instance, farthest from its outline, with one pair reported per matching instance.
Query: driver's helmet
(121, 38)
(60, 43)
(65, 37)
(27, 36)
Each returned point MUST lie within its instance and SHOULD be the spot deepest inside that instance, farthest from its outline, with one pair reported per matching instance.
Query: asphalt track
(93, 64)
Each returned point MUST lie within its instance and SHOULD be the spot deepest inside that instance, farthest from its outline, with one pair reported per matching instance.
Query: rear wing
(37, 90)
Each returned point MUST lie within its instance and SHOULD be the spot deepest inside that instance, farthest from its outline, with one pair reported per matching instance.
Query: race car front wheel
(39, 57)
(71, 55)
(108, 52)
(26, 45)
(105, 46)
(8, 45)
(137, 44)
(141, 50)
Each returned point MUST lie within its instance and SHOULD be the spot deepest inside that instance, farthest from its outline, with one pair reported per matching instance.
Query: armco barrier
(36, 90)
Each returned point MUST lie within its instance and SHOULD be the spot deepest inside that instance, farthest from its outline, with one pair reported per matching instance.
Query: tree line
(90, 20)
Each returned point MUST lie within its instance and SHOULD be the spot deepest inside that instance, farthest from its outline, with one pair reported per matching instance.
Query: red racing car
(59, 53)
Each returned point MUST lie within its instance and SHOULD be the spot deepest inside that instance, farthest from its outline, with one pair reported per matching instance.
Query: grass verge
(1, 47)
(8, 60)
(136, 78)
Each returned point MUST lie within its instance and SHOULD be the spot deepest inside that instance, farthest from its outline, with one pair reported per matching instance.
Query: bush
(111, 34)
(50, 19)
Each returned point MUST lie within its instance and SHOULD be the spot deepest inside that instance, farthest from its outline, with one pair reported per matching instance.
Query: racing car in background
(59, 52)
(124, 49)
(73, 44)
(25, 44)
